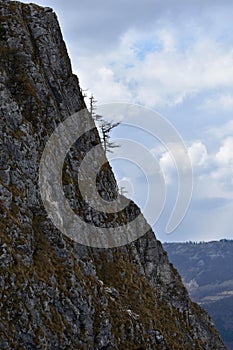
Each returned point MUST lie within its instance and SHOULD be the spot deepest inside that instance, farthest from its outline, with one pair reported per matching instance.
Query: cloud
(173, 160)
(154, 53)
(100, 24)
(103, 83)
(213, 171)
(155, 69)
(222, 131)
(170, 75)
(198, 154)
(225, 155)
(168, 167)
(212, 198)
(223, 173)
(219, 102)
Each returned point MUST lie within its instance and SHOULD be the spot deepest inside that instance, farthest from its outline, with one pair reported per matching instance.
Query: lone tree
(97, 117)
(105, 128)
(92, 105)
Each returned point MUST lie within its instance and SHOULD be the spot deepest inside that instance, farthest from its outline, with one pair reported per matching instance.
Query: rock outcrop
(55, 293)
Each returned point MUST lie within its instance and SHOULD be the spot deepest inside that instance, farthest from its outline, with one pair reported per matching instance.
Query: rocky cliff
(55, 293)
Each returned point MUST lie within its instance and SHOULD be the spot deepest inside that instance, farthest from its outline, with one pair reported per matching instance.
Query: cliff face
(54, 293)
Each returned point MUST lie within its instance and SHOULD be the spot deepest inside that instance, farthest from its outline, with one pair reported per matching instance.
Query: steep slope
(207, 272)
(54, 293)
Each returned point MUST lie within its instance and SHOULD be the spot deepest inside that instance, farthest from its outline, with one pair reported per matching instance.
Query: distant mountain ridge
(206, 269)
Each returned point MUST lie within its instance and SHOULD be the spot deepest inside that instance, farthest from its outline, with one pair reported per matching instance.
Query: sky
(176, 58)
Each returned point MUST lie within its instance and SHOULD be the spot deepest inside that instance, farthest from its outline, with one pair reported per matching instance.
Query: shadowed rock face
(54, 293)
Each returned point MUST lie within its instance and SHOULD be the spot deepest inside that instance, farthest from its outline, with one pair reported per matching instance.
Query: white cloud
(224, 161)
(163, 72)
(219, 102)
(198, 154)
(101, 81)
(225, 154)
(159, 55)
(221, 131)
(213, 172)
(167, 166)
(167, 40)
